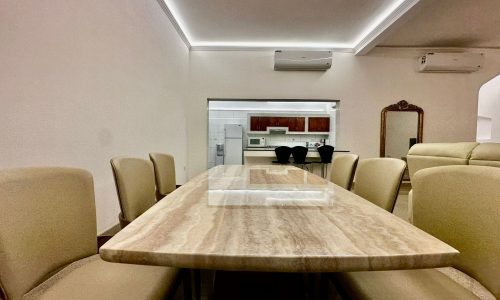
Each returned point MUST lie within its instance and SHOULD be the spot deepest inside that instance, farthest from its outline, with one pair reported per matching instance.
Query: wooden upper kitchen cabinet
(297, 124)
(261, 123)
(255, 124)
(318, 124)
(294, 124)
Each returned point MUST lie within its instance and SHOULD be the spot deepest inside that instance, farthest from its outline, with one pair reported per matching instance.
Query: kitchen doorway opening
(238, 128)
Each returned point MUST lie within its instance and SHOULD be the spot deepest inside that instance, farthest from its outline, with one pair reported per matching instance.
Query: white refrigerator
(233, 144)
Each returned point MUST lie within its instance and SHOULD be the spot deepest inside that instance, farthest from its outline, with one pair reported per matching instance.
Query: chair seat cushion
(93, 278)
(402, 284)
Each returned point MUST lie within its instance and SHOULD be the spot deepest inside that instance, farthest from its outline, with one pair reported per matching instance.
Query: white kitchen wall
(84, 81)
(217, 119)
(363, 84)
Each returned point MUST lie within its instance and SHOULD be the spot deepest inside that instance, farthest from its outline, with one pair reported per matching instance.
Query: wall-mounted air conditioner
(302, 60)
(450, 62)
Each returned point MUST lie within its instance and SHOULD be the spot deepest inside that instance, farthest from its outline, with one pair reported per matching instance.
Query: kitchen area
(248, 131)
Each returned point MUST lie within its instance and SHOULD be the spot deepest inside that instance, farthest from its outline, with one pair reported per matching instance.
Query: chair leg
(197, 284)
(187, 284)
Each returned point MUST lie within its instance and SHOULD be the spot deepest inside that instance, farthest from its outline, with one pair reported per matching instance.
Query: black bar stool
(282, 155)
(299, 154)
(325, 153)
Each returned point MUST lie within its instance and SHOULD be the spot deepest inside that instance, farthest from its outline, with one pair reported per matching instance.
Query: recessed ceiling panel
(451, 23)
(294, 23)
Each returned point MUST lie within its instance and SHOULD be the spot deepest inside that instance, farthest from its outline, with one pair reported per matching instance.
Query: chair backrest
(164, 167)
(326, 153)
(378, 180)
(299, 154)
(283, 154)
(342, 170)
(135, 185)
(460, 205)
(48, 220)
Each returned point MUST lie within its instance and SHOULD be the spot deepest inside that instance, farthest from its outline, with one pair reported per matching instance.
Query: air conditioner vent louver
(450, 62)
(302, 60)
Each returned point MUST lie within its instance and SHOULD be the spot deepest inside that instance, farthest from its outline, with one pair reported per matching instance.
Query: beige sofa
(427, 155)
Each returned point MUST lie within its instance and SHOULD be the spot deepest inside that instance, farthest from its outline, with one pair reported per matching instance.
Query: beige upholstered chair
(164, 167)
(342, 169)
(135, 186)
(378, 180)
(48, 246)
(458, 205)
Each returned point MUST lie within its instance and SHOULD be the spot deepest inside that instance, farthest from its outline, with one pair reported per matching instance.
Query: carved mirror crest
(401, 127)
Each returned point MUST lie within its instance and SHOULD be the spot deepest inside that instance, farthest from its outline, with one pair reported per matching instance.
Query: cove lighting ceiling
(338, 25)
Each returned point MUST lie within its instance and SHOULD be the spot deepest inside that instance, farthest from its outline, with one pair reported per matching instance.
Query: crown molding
(266, 48)
(174, 22)
(376, 35)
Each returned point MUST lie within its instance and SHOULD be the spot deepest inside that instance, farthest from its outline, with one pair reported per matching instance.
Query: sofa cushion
(486, 154)
(93, 278)
(404, 284)
(429, 155)
(456, 150)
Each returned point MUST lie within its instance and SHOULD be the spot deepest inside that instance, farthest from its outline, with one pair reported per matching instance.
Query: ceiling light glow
(371, 31)
(178, 19)
(257, 44)
(378, 20)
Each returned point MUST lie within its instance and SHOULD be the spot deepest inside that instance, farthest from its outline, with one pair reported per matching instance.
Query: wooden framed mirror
(401, 127)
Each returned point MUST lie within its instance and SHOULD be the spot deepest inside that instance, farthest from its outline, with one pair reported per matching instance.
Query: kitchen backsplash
(217, 119)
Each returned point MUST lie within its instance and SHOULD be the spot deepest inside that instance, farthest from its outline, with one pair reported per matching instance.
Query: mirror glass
(401, 132)
(401, 127)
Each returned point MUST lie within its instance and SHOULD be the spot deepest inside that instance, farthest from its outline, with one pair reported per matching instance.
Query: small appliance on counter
(256, 142)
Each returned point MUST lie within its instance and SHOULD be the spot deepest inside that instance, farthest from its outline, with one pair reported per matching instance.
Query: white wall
(83, 81)
(489, 110)
(364, 84)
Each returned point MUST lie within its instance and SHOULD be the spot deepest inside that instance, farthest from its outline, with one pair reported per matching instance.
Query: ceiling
(350, 26)
(450, 23)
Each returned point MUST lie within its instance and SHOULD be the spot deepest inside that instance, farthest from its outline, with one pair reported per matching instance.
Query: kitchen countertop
(272, 149)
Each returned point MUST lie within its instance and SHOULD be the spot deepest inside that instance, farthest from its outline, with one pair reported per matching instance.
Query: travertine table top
(272, 218)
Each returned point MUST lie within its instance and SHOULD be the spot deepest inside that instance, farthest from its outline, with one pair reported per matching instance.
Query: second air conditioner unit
(450, 62)
(302, 60)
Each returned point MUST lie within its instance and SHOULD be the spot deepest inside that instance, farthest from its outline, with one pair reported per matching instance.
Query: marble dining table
(276, 219)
